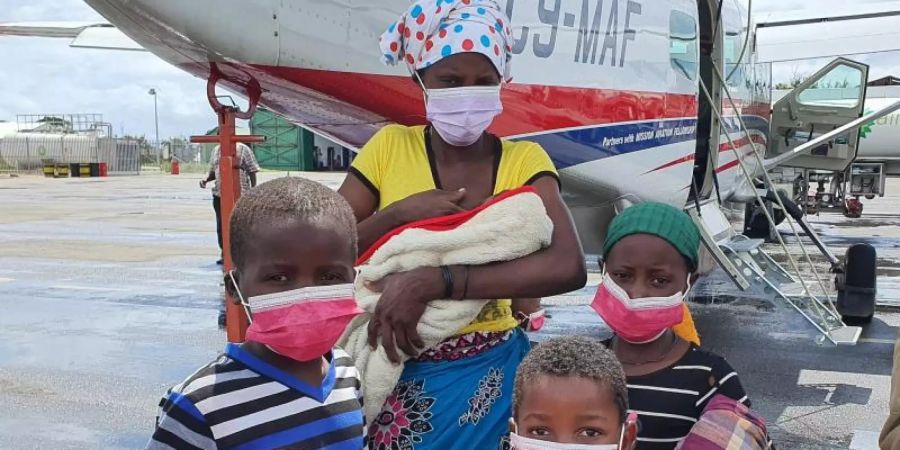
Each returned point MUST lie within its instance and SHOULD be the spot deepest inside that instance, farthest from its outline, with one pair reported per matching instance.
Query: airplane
(633, 100)
(878, 158)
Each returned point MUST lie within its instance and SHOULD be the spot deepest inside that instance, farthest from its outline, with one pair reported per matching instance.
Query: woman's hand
(372, 226)
(428, 204)
(404, 297)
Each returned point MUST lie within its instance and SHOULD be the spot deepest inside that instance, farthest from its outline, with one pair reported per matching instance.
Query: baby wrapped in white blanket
(513, 225)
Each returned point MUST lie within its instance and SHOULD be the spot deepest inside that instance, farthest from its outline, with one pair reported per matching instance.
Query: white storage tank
(29, 150)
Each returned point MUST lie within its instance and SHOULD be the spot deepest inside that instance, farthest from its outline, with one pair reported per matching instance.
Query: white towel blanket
(513, 226)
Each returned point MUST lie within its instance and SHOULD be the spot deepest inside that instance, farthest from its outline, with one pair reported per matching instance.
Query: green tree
(795, 80)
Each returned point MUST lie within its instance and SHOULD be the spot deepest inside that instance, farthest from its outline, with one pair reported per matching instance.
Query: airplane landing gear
(855, 275)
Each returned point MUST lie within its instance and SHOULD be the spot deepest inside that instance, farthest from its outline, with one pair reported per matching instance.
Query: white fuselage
(610, 88)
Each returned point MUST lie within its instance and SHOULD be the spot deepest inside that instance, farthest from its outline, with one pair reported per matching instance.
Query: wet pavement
(110, 294)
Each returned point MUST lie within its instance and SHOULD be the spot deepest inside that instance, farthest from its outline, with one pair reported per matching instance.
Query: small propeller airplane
(634, 100)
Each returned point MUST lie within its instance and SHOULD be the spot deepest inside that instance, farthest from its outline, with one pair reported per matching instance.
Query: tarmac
(110, 294)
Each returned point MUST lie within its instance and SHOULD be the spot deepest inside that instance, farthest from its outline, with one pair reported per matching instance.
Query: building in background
(886, 81)
(331, 156)
(288, 147)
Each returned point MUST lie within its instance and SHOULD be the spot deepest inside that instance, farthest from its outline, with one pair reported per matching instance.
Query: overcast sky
(45, 75)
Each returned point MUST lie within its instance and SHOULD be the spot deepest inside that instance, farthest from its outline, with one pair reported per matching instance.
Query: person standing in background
(890, 435)
(248, 168)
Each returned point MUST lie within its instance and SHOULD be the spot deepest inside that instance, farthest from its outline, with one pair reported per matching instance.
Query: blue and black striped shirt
(239, 401)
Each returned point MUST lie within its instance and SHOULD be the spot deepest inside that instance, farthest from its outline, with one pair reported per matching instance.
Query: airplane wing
(107, 37)
(791, 39)
(83, 34)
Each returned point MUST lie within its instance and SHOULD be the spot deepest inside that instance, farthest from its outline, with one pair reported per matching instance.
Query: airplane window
(684, 47)
(840, 87)
(734, 69)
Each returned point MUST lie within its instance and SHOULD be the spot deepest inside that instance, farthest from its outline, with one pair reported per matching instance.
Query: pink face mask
(639, 320)
(301, 324)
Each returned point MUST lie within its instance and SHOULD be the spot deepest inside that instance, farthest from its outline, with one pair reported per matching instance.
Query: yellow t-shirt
(395, 165)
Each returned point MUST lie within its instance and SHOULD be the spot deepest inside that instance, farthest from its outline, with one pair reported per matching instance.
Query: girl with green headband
(650, 261)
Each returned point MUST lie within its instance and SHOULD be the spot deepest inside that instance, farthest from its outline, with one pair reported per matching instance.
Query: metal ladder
(751, 268)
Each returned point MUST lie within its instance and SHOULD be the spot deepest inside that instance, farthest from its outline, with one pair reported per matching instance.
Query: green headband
(658, 219)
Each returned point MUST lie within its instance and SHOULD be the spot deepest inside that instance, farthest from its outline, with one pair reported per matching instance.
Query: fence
(191, 157)
(195, 158)
(28, 152)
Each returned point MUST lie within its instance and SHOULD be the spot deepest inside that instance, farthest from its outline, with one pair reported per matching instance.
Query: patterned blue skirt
(455, 396)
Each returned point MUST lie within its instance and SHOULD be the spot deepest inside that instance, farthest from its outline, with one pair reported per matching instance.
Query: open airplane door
(833, 97)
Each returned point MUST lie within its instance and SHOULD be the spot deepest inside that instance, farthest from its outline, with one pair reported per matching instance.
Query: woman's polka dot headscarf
(434, 29)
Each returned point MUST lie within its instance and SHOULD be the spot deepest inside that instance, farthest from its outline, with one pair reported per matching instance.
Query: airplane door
(833, 97)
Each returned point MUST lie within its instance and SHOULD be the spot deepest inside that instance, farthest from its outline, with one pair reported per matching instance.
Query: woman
(650, 259)
(460, 395)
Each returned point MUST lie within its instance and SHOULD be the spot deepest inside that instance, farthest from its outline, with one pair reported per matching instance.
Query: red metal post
(230, 185)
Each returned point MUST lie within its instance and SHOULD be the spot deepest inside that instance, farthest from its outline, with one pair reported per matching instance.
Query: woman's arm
(371, 226)
(555, 270)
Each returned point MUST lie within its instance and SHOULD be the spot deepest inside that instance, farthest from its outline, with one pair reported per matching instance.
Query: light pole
(152, 92)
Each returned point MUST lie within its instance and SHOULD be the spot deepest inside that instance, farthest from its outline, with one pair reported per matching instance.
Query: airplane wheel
(852, 321)
(857, 285)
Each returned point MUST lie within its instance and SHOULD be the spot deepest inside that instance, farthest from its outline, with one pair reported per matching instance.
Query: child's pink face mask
(301, 324)
(639, 320)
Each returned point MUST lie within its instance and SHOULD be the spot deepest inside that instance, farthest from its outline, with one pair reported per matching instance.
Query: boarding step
(744, 251)
(739, 244)
(767, 276)
(752, 269)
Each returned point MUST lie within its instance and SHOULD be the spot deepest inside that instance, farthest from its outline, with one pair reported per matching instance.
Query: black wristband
(448, 281)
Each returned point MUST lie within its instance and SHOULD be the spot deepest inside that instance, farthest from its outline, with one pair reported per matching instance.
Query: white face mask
(461, 115)
(519, 442)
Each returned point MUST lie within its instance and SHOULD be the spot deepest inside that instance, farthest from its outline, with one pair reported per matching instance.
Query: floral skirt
(455, 396)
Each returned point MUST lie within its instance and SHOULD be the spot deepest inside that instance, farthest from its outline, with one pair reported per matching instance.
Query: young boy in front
(293, 243)
(570, 394)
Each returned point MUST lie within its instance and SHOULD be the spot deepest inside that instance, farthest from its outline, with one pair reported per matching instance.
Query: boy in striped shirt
(294, 246)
